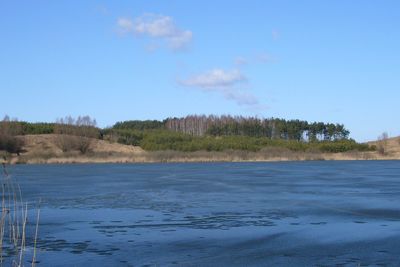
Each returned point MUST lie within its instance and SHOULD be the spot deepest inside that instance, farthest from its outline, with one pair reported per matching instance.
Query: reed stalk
(13, 223)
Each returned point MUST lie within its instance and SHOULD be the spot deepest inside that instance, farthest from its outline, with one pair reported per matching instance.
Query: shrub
(9, 142)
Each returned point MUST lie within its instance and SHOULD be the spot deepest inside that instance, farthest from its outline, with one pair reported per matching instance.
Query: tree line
(202, 125)
(251, 126)
(191, 133)
(218, 133)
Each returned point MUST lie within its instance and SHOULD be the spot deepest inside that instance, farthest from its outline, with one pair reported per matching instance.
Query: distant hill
(43, 149)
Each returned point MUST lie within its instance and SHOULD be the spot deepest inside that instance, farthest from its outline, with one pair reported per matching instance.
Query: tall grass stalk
(13, 223)
(36, 236)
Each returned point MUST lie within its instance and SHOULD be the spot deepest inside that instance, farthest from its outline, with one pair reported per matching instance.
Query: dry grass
(44, 149)
(391, 147)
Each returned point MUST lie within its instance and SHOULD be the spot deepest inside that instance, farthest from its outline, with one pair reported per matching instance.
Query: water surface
(216, 214)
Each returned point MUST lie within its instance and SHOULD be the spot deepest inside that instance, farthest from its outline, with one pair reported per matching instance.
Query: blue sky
(332, 61)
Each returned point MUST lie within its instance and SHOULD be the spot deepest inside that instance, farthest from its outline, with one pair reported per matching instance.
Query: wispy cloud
(254, 59)
(125, 25)
(265, 58)
(226, 82)
(242, 99)
(275, 34)
(103, 10)
(158, 27)
(240, 61)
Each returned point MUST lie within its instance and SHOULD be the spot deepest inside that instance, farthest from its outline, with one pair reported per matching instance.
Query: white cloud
(157, 27)
(216, 78)
(224, 82)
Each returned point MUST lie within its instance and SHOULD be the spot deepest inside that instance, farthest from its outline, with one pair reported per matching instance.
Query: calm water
(217, 214)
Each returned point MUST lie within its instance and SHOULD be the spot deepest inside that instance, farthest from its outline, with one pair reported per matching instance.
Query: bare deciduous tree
(382, 143)
(10, 142)
(75, 134)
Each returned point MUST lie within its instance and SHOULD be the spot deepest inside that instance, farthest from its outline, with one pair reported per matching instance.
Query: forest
(218, 133)
(244, 126)
(251, 126)
(190, 133)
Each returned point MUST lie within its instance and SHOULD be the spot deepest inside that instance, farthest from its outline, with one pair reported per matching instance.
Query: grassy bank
(43, 149)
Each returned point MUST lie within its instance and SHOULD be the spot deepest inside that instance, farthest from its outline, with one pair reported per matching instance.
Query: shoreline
(190, 159)
(194, 162)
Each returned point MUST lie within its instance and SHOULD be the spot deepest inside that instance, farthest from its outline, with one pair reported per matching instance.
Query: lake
(215, 214)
